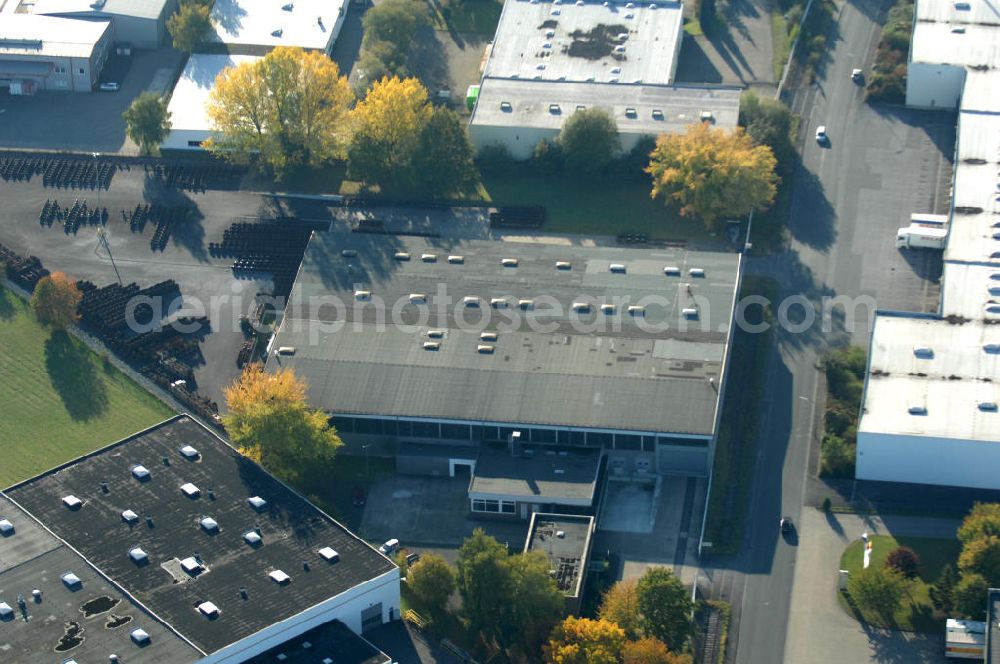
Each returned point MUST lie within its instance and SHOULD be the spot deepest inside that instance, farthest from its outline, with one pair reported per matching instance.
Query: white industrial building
(190, 125)
(251, 27)
(552, 58)
(951, 40)
(137, 23)
(48, 53)
(930, 407)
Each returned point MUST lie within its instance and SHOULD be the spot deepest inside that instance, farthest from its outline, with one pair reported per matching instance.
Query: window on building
(60, 70)
(455, 431)
(625, 441)
(426, 430)
(507, 507)
(343, 424)
(543, 435)
(389, 427)
(194, 144)
(82, 71)
(493, 506)
(597, 439)
(367, 425)
(405, 428)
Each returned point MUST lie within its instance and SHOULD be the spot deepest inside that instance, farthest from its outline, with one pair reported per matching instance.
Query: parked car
(857, 75)
(390, 547)
(109, 86)
(786, 525)
(821, 136)
(412, 558)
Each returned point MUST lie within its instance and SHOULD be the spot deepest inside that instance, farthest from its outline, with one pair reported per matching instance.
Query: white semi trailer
(926, 231)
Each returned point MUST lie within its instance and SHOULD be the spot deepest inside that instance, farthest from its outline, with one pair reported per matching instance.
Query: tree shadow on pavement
(812, 219)
(938, 125)
(428, 61)
(72, 371)
(694, 65)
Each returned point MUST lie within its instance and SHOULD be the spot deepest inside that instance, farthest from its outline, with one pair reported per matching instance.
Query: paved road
(848, 199)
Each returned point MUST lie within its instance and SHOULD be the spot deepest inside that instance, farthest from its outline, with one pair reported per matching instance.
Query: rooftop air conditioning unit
(917, 410)
(470, 301)
(435, 334)
(349, 253)
(637, 310)
(617, 267)
(672, 271)
(455, 259)
(402, 256)
(581, 307)
(607, 309)
(689, 312)
(563, 265)
(498, 302)
(923, 352)
(428, 258)
(362, 295)
(696, 272)
(508, 262)
(488, 336)
(432, 345)
(486, 349)
(418, 298)
(526, 304)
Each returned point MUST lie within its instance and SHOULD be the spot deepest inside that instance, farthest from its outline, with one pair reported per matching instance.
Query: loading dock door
(461, 467)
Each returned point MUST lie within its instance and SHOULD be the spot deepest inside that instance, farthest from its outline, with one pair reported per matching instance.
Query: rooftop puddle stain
(98, 605)
(71, 638)
(114, 621)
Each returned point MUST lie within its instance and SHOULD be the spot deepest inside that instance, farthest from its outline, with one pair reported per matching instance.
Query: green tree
(589, 141)
(483, 580)
(147, 121)
(712, 173)
(665, 606)
(190, 25)
(970, 596)
(904, 560)
(442, 163)
(768, 122)
(620, 605)
(55, 300)
(432, 580)
(389, 28)
(942, 593)
(536, 603)
(878, 589)
(982, 521)
(270, 421)
(981, 556)
(289, 108)
(585, 641)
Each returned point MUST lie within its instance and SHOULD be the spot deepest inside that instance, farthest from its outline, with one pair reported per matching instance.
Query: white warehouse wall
(520, 141)
(928, 460)
(346, 607)
(178, 139)
(934, 86)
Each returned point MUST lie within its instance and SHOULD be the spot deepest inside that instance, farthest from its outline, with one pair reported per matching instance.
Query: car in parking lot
(390, 547)
(821, 136)
(109, 86)
(857, 75)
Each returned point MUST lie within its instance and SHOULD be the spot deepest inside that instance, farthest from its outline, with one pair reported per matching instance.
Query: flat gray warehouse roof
(551, 355)
(87, 623)
(637, 109)
(540, 473)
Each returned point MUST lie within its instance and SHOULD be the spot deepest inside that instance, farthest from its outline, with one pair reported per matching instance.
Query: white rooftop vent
(72, 502)
(486, 349)
(689, 312)
(279, 577)
(508, 262)
(917, 410)
(616, 70)
(563, 265)
(140, 472)
(209, 525)
(140, 636)
(71, 580)
(432, 345)
(554, 109)
(526, 304)
(556, 12)
(498, 302)
(191, 565)
(189, 452)
(252, 538)
(128, 516)
(637, 310)
(470, 301)
(328, 554)
(285, 350)
(617, 267)
(696, 272)
(988, 406)
(506, 107)
(672, 271)
(707, 116)
(963, 6)
(958, 30)
(6, 527)
(209, 610)
(402, 256)
(487, 336)
(550, 33)
(429, 258)
(607, 309)
(630, 112)
(190, 490)
(362, 295)
(619, 49)
(629, 15)
(435, 334)
(560, 534)
(456, 259)
(923, 352)
(5, 611)
(257, 502)
(657, 114)
(137, 555)
(581, 307)
(418, 298)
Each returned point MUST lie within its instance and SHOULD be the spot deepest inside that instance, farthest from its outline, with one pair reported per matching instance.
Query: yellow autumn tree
(289, 108)
(55, 300)
(388, 124)
(651, 651)
(269, 419)
(585, 641)
(712, 173)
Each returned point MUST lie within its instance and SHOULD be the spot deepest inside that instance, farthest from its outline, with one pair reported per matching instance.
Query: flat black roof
(655, 372)
(330, 643)
(537, 472)
(292, 529)
(565, 541)
(87, 623)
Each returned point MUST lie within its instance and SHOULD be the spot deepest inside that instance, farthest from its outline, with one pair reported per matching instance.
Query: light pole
(102, 237)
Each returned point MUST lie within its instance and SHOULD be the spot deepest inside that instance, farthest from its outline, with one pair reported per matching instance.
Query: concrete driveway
(736, 53)
(814, 608)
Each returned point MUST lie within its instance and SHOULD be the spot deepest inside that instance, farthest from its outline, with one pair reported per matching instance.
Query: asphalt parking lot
(83, 121)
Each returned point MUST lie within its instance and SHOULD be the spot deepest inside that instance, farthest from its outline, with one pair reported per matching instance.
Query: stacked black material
(532, 216)
(25, 271)
(275, 247)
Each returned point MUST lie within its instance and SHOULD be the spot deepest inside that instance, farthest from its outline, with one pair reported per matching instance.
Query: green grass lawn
(59, 400)
(916, 612)
(780, 42)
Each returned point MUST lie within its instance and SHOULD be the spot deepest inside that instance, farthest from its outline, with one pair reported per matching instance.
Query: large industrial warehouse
(550, 59)
(567, 343)
(48, 53)
(930, 408)
(220, 561)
